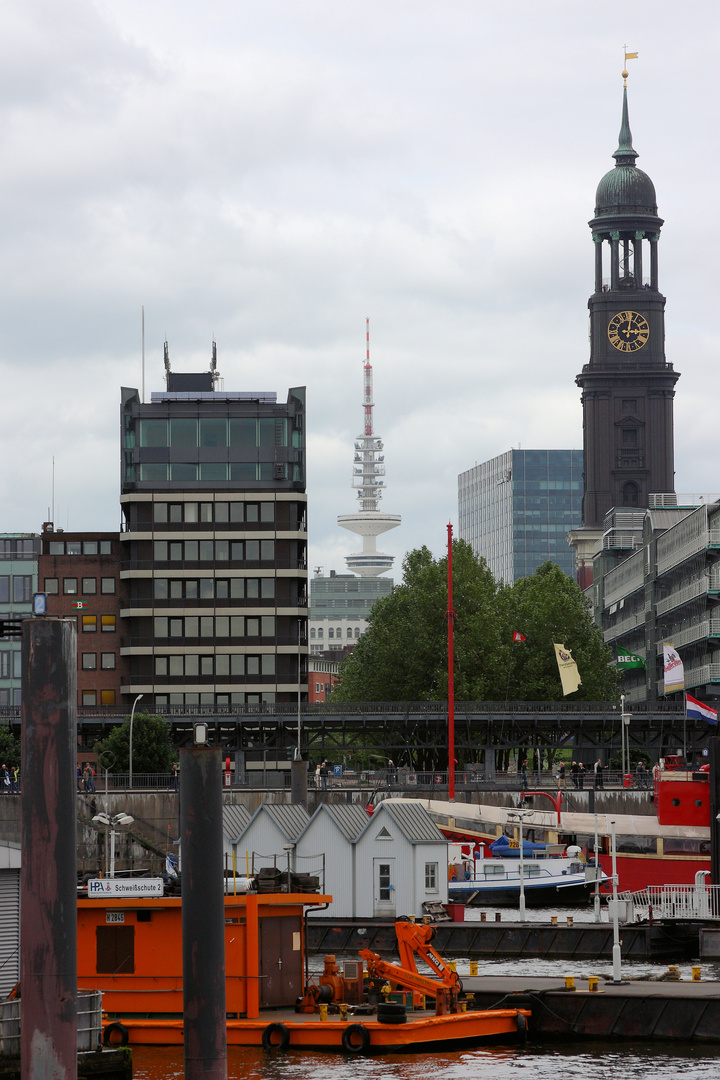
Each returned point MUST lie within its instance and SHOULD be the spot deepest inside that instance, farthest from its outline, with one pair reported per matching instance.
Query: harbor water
(538, 1062)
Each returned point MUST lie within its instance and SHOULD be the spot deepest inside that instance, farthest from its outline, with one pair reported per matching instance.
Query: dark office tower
(627, 386)
(215, 533)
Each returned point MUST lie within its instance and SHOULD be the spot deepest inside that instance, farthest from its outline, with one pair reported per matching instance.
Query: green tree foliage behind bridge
(403, 654)
(152, 745)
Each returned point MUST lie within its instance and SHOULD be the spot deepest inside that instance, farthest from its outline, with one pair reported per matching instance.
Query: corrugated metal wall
(9, 930)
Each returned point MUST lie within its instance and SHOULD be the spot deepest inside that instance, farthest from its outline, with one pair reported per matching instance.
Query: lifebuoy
(356, 1039)
(115, 1034)
(275, 1037)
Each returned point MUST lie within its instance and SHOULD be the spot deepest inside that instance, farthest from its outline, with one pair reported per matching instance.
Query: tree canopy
(9, 748)
(152, 745)
(403, 654)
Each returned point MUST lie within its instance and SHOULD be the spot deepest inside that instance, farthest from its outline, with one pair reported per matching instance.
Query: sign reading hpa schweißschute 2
(139, 886)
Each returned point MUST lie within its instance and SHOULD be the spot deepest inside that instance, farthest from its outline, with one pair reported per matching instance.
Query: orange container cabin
(131, 949)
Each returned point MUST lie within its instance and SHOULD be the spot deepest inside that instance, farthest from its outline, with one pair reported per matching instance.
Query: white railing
(706, 628)
(682, 596)
(677, 901)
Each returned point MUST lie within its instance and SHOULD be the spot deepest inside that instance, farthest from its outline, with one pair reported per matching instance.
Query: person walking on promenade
(524, 775)
(323, 775)
(561, 775)
(599, 773)
(581, 776)
(575, 773)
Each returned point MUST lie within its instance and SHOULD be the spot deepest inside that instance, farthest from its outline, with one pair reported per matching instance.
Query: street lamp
(512, 816)
(132, 717)
(111, 823)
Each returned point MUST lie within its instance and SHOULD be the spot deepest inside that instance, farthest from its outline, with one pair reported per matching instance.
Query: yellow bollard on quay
(592, 984)
(696, 973)
(569, 982)
(323, 1012)
(474, 967)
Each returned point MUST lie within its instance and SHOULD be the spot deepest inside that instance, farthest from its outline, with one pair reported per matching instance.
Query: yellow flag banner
(569, 674)
(631, 56)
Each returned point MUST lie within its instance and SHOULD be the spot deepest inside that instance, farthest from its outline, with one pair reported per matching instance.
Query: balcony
(695, 676)
(624, 626)
(705, 629)
(683, 596)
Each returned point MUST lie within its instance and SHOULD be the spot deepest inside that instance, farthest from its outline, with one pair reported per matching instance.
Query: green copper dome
(625, 189)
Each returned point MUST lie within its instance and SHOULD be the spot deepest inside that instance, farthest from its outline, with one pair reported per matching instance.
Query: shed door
(281, 973)
(384, 888)
(9, 930)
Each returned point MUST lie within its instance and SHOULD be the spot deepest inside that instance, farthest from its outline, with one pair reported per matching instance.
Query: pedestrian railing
(676, 901)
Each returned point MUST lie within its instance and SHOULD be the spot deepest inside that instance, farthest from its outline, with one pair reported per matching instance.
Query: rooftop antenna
(318, 571)
(166, 357)
(213, 363)
(368, 403)
(142, 398)
(53, 489)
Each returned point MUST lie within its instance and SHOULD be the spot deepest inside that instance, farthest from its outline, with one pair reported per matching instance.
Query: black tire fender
(275, 1037)
(391, 1012)
(522, 1027)
(115, 1034)
(356, 1039)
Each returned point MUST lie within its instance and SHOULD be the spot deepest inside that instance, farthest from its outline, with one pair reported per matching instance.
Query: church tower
(627, 385)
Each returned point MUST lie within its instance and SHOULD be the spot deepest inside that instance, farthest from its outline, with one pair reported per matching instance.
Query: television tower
(368, 468)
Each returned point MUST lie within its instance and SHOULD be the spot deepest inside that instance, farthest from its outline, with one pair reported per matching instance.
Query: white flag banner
(673, 670)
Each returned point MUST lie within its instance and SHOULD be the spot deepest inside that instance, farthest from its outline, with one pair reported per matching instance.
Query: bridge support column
(490, 763)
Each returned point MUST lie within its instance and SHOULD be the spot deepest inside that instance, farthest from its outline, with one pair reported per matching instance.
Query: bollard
(483, 916)
(696, 974)
(569, 982)
(412, 918)
(452, 964)
(463, 1006)
(498, 916)
(323, 1012)
(673, 972)
(592, 984)
(385, 990)
(473, 967)
(553, 920)
(343, 1011)
(569, 920)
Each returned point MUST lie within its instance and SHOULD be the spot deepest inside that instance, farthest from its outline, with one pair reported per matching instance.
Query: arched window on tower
(630, 494)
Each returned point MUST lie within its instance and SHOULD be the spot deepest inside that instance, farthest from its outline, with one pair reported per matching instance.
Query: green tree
(549, 607)
(152, 745)
(403, 654)
(9, 748)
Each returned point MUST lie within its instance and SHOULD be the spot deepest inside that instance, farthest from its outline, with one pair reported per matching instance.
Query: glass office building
(18, 582)
(517, 509)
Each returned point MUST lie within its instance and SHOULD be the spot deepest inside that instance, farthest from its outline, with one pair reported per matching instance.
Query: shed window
(431, 877)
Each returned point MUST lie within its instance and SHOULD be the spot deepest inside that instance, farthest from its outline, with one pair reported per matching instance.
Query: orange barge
(131, 949)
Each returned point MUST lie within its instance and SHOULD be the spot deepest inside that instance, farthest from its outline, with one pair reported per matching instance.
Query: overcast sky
(271, 172)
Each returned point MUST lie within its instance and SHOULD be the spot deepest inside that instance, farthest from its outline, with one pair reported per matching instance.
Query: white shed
(9, 916)
(269, 837)
(401, 861)
(236, 818)
(326, 847)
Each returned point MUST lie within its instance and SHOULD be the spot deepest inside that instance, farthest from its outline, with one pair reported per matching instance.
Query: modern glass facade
(18, 582)
(516, 510)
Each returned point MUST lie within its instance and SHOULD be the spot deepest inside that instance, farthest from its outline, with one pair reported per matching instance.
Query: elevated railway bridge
(415, 734)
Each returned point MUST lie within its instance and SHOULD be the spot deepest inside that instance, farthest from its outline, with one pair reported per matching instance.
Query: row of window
(221, 664)
(215, 472)
(90, 661)
(214, 550)
(90, 624)
(19, 586)
(13, 545)
(70, 585)
(10, 664)
(90, 697)
(213, 512)
(214, 626)
(78, 547)
(333, 633)
(210, 698)
(9, 697)
(214, 589)
(246, 432)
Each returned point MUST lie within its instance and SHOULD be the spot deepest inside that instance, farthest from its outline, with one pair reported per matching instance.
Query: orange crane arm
(412, 939)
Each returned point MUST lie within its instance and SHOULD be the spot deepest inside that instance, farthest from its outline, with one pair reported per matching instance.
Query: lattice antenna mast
(368, 403)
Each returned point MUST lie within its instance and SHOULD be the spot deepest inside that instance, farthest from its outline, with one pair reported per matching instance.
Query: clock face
(628, 331)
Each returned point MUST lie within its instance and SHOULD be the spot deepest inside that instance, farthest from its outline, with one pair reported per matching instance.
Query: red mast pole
(451, 674)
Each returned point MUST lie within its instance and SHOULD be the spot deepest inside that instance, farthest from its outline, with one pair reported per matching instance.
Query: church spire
(625, 153)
